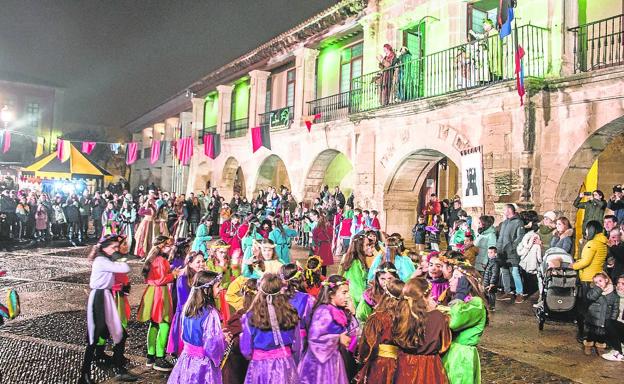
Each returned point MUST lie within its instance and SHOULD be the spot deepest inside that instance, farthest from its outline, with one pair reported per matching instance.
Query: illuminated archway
(331, 168)
(233, 178)
(272, 173)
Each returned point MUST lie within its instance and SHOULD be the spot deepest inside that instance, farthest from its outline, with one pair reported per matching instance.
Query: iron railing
(479, 63)
(203, 132)
(334, 107)
(236, 128)
(277, 119)
(599, 44)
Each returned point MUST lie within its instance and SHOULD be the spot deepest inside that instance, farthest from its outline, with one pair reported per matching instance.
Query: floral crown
(331, 285)
(387, 292)
(295, 276)
(386, 270)
(209, 284)
(248, 291)
(218, 246)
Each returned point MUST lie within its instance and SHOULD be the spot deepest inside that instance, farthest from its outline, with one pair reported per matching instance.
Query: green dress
(467, 322)
(356, 275)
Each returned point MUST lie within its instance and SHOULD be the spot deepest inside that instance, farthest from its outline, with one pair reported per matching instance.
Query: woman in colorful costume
(403, 264)
(375, 292)
(156, 304)
(353, 267)
(281, 236)
(145, 231)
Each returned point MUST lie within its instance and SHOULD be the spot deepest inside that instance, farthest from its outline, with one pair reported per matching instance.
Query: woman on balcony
(386, 76)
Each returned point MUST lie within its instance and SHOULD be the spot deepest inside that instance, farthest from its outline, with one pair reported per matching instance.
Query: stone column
(370, 27)
(224, 106)
(158, 132)
(257, 95)
(199, 106)
(305, 68)
(570, 20)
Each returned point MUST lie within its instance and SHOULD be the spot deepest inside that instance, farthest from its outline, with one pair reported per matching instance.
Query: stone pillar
(224, 106)
(305, 68)
(370, 27)
(171, 124)
(570, 20)
(257, 95)
(158, 132)
(199, 106)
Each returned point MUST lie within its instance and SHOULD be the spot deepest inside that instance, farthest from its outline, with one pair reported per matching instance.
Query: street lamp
(6, 116)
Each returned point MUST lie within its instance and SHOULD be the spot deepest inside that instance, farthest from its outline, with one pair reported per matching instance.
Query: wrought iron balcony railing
(476, 64)
(599, 44)
(236, 128)
(203, 132)
(277, 119)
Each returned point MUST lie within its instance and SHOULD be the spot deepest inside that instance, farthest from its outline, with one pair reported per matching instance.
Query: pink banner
(6, 145)
(88, 146)
(132, 153)
(184, 149)
(63, 150)
(155, 151)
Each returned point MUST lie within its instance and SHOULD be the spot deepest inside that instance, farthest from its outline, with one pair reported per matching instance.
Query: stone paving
(46, 343)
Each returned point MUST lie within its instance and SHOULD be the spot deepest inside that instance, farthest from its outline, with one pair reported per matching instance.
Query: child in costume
(374, 293)
(332, 333)
(312, 275)
(156, 306)
(193, 265)
(102, 316)
(282, 236)
(250, 236)
(145, 231)
(468, 318)
(266, 251)
(202, 237)
(419, 233)
(270, 335)
(204, 341)
(219, 262)
(377, 352)
(422, 334)
(353, 267)
(439, 284)
(234, 364)
(292, 276)
(404, 266)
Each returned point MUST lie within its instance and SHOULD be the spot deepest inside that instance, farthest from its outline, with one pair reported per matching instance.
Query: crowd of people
(226, 302)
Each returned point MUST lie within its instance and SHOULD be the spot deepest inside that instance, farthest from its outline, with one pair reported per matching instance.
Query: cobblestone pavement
(46, 343)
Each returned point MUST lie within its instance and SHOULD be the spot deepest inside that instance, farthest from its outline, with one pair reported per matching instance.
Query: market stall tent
(78, 167)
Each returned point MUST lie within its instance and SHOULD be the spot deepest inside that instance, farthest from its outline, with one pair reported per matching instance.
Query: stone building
(396, 134)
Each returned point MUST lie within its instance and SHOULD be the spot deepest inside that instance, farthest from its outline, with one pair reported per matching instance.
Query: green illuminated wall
(240, 97)
(340, 172)
(328, 75)
(211, 109)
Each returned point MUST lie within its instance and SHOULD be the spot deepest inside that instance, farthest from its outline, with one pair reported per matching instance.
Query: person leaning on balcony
(386, 77)
(492, 58)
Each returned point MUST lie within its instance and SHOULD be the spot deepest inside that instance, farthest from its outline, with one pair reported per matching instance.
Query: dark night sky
(119, 58)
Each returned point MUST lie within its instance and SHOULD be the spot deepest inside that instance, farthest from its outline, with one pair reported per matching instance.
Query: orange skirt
(420, 369)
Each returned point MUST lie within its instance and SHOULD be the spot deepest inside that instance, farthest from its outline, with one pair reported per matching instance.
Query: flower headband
(211, 283)
(319, 265)
(248, 291)
(215, 246)
(331, 285)
(257, 243)
(295, 276)
(386, 270)
(387, 292)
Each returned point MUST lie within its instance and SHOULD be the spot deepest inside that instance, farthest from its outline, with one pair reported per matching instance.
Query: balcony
(236, 128)
(468, 66)
(203, 132)
(278, 119)
(599, 44)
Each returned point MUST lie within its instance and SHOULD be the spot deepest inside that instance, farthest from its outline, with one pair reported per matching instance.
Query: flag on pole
(88, 146)
(505, 29)
(503, 16)
(212, 145)
(6, 141)
(39, 146)
(132, 152)
(155, 155)
(520, 73)
(184, 149)
(163, 150)
(309, 120)
(260, 137)
(63, 150)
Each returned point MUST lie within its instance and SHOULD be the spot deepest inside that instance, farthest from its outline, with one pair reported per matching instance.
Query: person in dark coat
(511, 233)
(594, 207)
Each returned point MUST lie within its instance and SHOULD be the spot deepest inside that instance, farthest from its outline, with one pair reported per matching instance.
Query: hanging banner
(132, 153)
(6, 142)
(88, 147)
(212, 145)
(472, 178)
(155, 155)
(260, 137)
(39, 147)
(184, 149)
(63, 150)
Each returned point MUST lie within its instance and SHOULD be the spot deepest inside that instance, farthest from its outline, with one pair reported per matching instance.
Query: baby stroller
(560, 285)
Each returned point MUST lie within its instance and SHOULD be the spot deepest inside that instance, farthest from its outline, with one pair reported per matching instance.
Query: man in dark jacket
(97, 209)
(616, 203)
(72, 214)
(511, 233)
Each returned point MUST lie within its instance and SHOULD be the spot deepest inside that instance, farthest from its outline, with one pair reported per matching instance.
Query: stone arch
(330, 167)
(272, 172)
(608, 138)
(202, 177)
(405, 189)
(232, 178)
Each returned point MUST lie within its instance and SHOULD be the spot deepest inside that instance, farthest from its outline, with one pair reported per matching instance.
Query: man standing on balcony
(491, 56)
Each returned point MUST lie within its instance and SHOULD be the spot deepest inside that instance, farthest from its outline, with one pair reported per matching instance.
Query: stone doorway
(232, 180)
(272, 173)
(331, 168)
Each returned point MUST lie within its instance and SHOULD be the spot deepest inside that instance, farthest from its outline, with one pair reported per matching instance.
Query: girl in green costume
(468, 318)
(374, 293)
(353, 268)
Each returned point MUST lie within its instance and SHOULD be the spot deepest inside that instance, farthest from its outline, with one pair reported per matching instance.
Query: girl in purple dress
(194, 264)
(204, 340)
(332, 333)
(292, 275)
(270, 335)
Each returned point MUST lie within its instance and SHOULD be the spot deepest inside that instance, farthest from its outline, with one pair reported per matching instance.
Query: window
(290, 87)
(350, 66)
(478, 12)
(268, 98)
(33, 113)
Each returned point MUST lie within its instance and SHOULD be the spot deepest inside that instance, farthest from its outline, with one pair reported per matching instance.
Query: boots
(600, 348)
(101, 358)
(588, 347)
(122, 374)
(86, 379)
